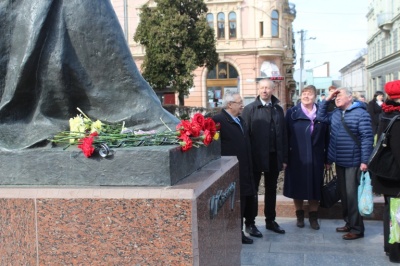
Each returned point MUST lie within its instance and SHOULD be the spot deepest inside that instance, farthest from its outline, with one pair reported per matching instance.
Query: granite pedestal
(137, 166)
(123, 225)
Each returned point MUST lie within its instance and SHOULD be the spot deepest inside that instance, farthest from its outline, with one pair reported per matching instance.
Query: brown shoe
(313, 217)
(343, 229)
(352, 236)
(300, 218)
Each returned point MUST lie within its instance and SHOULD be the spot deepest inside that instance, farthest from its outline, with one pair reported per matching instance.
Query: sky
(340, 28)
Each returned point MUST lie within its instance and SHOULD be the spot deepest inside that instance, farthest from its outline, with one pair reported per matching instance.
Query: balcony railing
(384, 21)
(290, 9)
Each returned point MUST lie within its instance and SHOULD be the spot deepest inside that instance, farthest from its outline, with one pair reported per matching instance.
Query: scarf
(390, 106)
(311, 115)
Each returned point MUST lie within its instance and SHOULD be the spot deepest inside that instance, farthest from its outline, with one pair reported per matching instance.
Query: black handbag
(381, 163)
(330, 190)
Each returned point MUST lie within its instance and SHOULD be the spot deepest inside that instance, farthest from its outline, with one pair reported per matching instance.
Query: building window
(275, 23)
(222, 71)
(223, 78)
(221, 26)
(383, 45)
(395, 40)
(372, 84)
(378, 51)
(210, 20)
(380, 83)
(261, 29)
(232, 73)
(232, 25)
(212, 73)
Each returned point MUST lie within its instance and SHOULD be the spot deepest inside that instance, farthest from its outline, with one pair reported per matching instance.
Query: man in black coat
(266, 124)
(235, 142)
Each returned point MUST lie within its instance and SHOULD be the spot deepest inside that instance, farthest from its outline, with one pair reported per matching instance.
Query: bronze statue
(58, 55)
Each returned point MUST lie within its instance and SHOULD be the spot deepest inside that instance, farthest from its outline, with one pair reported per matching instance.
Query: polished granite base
(168, 225)
(138, 166)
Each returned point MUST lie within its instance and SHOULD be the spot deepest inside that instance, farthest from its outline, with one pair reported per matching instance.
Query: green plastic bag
(394, 236)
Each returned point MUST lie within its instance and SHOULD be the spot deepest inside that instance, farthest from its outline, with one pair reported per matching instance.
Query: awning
(270, 70)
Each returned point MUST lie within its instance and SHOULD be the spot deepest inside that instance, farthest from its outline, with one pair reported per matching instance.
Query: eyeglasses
(240, 103)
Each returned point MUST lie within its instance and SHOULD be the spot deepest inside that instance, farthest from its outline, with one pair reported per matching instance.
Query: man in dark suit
(266, 124)
(235, 142)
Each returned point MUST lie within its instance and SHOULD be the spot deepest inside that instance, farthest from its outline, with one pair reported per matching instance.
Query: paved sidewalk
(305, 246)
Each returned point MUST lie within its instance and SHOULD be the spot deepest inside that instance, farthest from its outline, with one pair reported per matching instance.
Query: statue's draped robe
(58, 55)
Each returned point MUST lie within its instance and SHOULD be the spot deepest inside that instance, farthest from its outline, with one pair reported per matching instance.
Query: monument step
(285, 208)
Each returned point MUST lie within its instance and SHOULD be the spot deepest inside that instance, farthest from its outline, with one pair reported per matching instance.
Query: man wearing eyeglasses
(266, 125)
(235, 142)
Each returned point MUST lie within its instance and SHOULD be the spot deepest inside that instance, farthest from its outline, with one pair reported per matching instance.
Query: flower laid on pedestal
(98, 136)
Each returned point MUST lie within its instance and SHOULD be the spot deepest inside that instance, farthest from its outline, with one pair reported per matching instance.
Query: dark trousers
(270, 183)
(392, 249)
(247, 209)
(348, 181)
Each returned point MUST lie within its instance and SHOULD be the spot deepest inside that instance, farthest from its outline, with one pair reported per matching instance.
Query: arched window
(275, 23)
(223, 70)
(210, 20)
(221, 26)
(232, 25)
(221, 79)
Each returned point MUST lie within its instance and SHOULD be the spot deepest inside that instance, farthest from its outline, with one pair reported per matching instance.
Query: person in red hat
(390, 108)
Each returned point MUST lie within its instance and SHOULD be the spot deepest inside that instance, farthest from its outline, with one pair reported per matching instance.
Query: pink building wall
(246, 53)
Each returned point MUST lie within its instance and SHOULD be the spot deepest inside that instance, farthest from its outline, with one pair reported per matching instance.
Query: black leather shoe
(253, 231)
(246, 240)
(273, 226)
(344, 229)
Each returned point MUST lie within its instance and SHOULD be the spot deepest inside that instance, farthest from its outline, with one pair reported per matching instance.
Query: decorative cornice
(384, 60)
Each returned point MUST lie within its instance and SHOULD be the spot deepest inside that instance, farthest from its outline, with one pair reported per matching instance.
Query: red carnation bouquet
(97, 136)
(198, 131)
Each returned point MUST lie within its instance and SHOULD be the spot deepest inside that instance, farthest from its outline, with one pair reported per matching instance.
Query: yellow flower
(76, 124)
(96, 126)
(87, 123)
(216, 136)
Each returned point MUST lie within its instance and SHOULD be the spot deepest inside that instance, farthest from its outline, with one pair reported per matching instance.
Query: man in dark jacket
(235, 142)
(266, 124)
(349, 148)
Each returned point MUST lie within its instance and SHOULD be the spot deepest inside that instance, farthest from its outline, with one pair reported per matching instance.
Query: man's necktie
(237, 120)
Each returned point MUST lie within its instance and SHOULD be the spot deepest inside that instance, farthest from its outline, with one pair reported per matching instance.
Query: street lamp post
(302, 35)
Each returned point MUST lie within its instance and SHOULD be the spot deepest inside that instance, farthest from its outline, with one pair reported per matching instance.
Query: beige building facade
(355, 77)
(383, 44)
(254, 39)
